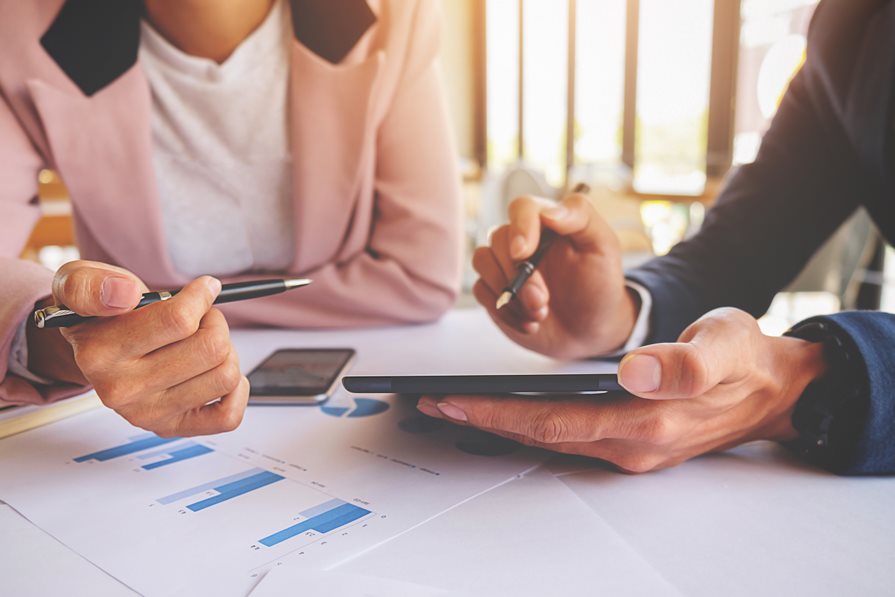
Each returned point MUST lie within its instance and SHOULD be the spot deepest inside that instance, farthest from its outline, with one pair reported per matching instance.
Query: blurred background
(650, 102)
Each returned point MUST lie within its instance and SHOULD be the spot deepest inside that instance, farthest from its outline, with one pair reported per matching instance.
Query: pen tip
(504, 299)
(296, 283)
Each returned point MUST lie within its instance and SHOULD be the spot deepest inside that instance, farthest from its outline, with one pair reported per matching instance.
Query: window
(674, 64)
(644, 86)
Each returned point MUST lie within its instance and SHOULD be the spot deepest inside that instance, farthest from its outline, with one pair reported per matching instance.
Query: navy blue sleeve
(772, 214)
(869, 446)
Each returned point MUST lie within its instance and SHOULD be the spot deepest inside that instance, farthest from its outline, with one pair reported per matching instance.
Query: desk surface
(750, 521)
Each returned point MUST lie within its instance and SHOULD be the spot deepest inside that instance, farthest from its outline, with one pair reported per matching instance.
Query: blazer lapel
(330, 28)
(331, 146)
(96, 41)
(101, 146)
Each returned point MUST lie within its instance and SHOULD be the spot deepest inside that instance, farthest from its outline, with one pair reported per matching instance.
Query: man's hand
(724, 383)
(169, 367)
(576, 304)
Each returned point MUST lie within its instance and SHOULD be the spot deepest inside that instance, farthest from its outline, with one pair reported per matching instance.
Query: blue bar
(321, 508)
(341, 521)
(322, 523)
(125, 449)
(236, 489)
(165, 450)
(178, 455)
(176, 497)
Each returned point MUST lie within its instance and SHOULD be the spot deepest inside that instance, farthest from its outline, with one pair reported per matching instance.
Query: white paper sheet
(531, 537)
(196, 526)
(753, 521)
(34, 564)
(291, 580)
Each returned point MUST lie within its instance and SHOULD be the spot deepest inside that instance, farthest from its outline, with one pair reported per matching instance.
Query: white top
(221, 152)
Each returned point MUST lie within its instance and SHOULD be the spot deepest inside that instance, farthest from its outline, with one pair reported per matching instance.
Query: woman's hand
(576, 304)
(169, 367)
(722, 384)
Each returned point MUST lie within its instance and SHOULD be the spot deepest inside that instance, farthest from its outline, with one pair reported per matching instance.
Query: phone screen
(301, 375)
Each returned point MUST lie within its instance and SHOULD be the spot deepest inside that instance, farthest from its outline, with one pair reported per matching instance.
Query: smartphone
(298, 375)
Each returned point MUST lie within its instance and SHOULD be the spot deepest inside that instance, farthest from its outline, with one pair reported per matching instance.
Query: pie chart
(357, 408)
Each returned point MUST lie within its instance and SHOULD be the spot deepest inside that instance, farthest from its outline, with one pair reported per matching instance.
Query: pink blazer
(376, 191)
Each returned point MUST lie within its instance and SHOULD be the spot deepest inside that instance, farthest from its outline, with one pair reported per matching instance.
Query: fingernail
(531, 327)
(517, 247)
(427, 408)
(117, 293)
(451, 411)
(214, 285)
(556, 213)
(640, 374)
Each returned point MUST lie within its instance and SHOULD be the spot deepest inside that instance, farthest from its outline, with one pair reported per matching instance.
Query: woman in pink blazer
(372, 209)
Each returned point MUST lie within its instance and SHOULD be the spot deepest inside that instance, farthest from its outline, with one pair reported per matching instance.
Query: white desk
(751, 521)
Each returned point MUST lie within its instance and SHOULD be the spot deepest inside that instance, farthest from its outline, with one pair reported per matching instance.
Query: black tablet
(561, 383)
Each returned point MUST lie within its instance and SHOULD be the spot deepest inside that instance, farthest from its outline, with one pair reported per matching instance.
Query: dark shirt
(828, 151)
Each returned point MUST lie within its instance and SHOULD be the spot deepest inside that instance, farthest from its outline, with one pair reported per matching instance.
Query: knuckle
(180, 320)
(519, 203)
(89, 357)
(232, 412)
(661, 431)
(74, 288)
(216, 319)
(232, 418)
(166, 431)
(482, 257)
(577, 202)
(693, 371)
(115, 393)
(215, 346)
(229, 376)
(548, 427)
(479, 258)
(484, 417)
(68, 284)
(135, 419)
(499, 236)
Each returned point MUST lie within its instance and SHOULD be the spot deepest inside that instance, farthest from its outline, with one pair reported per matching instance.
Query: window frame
(722, 90)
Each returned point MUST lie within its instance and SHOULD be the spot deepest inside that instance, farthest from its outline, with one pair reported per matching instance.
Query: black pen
(526, 268)
(59, 316)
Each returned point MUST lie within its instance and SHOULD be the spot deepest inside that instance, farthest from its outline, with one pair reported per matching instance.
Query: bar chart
(171, 451)
(224, 489)
(136, 444)
(319, 519)
(322, 514)
(176, 453)
(324, 518)
(212, 515)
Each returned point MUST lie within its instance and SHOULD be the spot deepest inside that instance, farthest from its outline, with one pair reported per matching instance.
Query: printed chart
(302, 486)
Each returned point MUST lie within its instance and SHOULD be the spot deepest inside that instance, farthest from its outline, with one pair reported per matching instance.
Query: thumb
(717, 350)
(577, 219)
(95, 289)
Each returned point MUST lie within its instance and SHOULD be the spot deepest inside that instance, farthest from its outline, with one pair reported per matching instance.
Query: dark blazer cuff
(861, 441)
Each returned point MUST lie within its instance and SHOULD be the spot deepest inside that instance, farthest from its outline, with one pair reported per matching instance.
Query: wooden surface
(55, 227)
